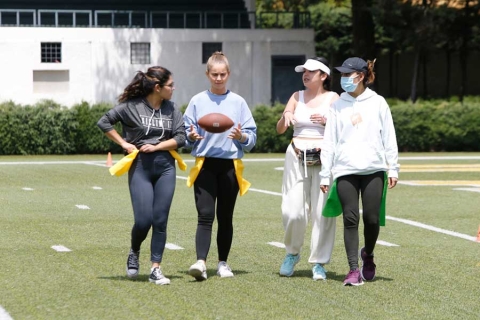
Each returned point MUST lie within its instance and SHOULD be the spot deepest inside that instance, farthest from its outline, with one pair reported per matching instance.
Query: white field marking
(279, 168)
(103, 164)
(441, 158)
(442, 170)
(82, 206)
(27, 189)
(431, 228)
(4, 314)
(265, 191)
(388, 244)
(172, 246)
(450, 183)
(468, 189)
(61, 248)
(97, 188)
(51, 162)
(276, 244)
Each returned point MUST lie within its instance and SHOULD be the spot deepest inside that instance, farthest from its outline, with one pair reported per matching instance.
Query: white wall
(98, 60)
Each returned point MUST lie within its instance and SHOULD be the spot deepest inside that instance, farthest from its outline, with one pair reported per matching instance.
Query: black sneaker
(133, 264)
(157, 277)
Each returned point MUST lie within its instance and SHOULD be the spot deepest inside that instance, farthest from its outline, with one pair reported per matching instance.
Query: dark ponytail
(144, 83)
(370, 75)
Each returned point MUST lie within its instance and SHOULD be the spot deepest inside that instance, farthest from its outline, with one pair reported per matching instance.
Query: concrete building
(84, 54)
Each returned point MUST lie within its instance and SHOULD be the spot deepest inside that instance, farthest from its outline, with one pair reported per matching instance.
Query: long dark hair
(144, 82)
(327, 82)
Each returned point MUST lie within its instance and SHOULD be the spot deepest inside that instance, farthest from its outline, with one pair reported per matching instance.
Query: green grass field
(428, 275)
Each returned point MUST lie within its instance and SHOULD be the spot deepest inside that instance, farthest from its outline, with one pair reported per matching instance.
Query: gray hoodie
(142, 124)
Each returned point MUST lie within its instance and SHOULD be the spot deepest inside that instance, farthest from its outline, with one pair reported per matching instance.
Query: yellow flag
(124, 164)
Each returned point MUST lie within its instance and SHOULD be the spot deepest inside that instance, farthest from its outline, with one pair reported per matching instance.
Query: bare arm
(288, 118)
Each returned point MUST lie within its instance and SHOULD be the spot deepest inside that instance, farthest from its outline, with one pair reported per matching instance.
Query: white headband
(313, 65)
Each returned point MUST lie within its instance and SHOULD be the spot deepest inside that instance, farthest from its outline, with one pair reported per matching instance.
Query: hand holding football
(215, 122)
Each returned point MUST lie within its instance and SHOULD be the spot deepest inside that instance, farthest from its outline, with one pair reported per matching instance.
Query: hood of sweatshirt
(367, 94)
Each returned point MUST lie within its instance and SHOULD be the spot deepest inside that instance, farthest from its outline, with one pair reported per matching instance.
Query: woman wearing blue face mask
(360, 151)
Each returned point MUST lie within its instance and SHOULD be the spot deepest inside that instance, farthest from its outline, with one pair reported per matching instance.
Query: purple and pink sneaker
(353, 278)
(367, 270)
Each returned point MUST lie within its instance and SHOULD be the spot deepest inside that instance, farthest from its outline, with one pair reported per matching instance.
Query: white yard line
(60, 248)
(173, 246)
(276, 244)
(82, 206)
(4, 314)
(468, 189)
(432, 228)
(387, 244)
(409, 222)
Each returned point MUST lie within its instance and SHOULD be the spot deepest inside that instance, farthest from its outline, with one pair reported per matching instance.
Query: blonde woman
(307, 111)
(217, 159)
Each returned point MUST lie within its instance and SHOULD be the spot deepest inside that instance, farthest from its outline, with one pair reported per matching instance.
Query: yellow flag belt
(122, 166)
(243, 184)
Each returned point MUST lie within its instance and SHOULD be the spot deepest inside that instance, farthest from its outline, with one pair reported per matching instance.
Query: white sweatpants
(301, 197)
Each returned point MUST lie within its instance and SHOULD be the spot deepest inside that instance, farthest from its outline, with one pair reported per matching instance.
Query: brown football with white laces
(215, 122)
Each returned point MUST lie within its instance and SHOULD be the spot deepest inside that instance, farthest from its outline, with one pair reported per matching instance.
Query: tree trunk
(424, 73)
(448, 73)
(363, 29)
(416, 66)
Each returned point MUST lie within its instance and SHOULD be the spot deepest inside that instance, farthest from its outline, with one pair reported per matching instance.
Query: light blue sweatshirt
(359, 138)
(218, 145)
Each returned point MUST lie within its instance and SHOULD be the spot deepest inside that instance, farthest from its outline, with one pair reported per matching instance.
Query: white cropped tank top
(304, 127)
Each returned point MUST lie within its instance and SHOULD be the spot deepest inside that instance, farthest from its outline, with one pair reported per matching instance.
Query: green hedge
(49, 128)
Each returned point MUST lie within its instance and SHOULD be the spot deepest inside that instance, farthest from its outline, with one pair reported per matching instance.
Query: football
(215, 122)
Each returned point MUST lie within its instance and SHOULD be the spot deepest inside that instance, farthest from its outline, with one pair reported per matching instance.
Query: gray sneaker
(157, 277)
(133, 264)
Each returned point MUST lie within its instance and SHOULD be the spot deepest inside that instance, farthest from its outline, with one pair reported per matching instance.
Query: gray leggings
(349, 188)
(151, 180)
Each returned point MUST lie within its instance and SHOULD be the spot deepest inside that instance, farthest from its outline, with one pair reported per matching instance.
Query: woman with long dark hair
(153, 126)
(307, 110)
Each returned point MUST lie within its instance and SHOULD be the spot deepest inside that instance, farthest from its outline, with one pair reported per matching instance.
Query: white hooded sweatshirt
(359, 138)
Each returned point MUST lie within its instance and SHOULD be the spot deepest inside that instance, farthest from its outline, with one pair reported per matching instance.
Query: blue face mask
(347, 84)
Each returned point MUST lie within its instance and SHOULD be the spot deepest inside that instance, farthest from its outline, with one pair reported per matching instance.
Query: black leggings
(151, 180)
(216, 182)
(349, 188)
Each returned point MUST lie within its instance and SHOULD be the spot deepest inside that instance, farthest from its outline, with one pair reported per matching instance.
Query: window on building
(140, 53)
(208, 48)
(51, 52)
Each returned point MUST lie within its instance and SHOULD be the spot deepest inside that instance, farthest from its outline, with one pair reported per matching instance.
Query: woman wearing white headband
(306, 111)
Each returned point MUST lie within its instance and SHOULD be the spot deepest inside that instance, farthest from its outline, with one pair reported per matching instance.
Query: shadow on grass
(331, 276)
(213, 273)
(141, 278)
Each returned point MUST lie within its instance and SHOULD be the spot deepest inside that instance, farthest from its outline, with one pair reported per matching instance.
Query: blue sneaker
(319, 272)
(288, 264)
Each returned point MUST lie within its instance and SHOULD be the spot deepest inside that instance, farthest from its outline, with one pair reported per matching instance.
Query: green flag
(333, 207)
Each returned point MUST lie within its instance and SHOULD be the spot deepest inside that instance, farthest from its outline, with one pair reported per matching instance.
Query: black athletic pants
(216, 184)
(151, 180)
(349, 189)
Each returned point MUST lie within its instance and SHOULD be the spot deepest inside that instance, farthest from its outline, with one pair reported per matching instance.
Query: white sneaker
(224, 270)
(157, 277)
(198, 270)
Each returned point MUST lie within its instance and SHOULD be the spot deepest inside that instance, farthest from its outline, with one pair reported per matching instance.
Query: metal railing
(154, 19)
